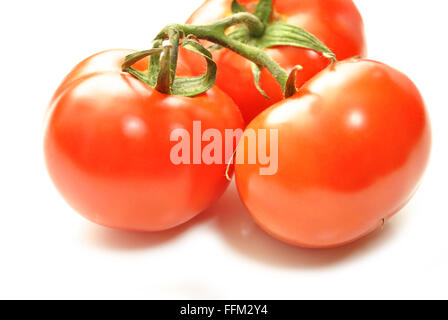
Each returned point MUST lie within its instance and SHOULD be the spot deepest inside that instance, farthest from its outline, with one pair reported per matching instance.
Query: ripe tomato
(353, 144)
(107, 148)
(337, 23)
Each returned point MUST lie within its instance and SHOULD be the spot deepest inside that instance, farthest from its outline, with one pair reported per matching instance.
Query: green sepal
(291, 88)
(215, 47)
(264, 11)
(133, 58)
(283, 34)
(174, 37)
(156, 78)
(236, 7)
(192, 86)
(256, 70)
(154, 65)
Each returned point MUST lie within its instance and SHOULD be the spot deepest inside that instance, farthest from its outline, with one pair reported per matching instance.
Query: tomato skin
(107, 149)
(354, 143)
(336, 22)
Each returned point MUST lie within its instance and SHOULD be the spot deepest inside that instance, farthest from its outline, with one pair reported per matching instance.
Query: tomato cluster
(351, 145)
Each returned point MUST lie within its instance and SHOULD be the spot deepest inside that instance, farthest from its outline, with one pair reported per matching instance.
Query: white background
(49, 251)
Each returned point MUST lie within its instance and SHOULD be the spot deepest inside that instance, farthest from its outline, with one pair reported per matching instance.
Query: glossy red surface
(107, 149)
(353, 146)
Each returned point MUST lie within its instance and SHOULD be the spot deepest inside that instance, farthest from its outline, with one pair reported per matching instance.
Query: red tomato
(337, 23)
(107, 148)
(353, 144)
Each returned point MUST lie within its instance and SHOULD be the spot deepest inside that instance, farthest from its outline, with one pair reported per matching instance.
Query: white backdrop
(49, 251)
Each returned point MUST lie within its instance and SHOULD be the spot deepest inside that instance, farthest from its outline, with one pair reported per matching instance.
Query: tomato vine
(253, 33)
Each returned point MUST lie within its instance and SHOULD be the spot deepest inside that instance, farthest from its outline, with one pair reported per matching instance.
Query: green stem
(249, 42)
(164, 80)
(254, 24)
(216, 33)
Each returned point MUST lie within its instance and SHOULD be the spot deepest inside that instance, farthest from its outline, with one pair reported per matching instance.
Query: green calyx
(264, 11)
(276, 34)
(252, 35)
(163, 65)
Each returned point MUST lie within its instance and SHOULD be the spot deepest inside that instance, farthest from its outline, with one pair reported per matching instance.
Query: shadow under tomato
(233, 223)
(106, 238)
(112, 239)
(237, 228)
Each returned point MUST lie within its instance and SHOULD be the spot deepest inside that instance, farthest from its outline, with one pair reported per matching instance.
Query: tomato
(107, 148)
(353, 144)
(337, 23)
